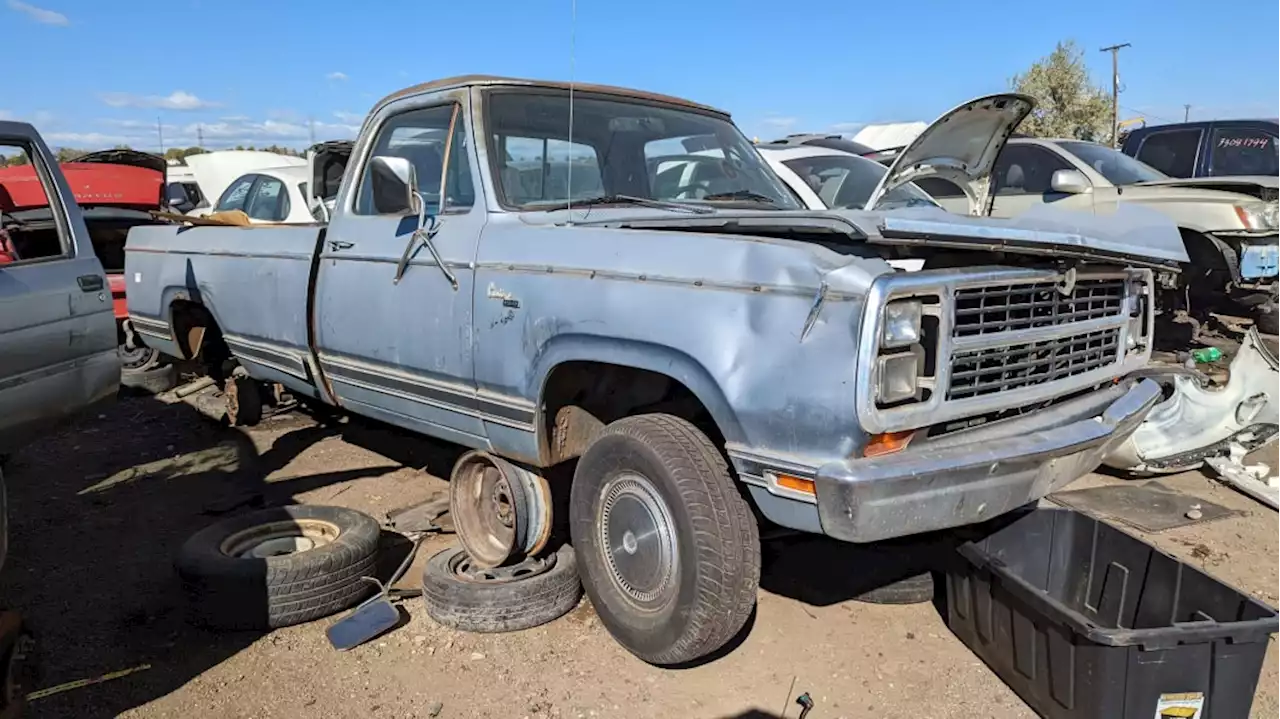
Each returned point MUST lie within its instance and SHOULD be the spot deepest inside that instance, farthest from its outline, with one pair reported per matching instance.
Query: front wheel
(668, 550)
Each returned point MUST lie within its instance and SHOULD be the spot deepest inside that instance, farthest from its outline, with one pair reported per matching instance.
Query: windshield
(1117, 167)
(845, 182)
(621, 148)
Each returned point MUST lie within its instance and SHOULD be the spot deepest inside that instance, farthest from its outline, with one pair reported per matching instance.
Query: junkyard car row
(718, 334)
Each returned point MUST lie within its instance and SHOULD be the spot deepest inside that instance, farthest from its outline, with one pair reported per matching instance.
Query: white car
(823, 178)
(277, 194)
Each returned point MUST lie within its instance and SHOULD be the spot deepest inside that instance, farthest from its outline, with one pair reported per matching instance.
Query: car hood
(1263, 187)
(961, 146)
(1131, 235)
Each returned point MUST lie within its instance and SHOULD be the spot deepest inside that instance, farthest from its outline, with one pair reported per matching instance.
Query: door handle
(90, 283)
(339, 245)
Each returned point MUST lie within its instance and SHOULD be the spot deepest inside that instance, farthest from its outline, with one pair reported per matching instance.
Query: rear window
(1243, 151)
(1172, 152)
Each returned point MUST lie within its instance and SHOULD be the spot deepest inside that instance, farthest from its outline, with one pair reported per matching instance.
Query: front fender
(661, 359)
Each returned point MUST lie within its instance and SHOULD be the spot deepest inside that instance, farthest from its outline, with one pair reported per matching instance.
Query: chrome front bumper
(978, 474)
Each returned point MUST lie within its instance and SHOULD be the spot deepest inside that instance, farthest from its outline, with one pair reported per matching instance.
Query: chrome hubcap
(638, 537)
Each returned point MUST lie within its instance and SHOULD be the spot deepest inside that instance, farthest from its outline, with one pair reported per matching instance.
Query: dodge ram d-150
(507, 266)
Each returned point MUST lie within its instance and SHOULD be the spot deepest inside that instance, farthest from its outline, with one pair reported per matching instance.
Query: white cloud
(39, 14)
(7, 115)
(176, 100)
(336, 76)
(88, 140)
(349, 118)
(780, 123)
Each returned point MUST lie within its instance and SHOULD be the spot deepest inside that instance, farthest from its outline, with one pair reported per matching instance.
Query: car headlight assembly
(898, 376)
(1258, 217)
(902, 320)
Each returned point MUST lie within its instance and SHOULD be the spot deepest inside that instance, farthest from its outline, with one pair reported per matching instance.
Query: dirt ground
(101, 507)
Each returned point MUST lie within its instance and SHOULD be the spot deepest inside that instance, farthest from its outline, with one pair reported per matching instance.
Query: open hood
(961, 146)
(327, 162)
(1132, 235)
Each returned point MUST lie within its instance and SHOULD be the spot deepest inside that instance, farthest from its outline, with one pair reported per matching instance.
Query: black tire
(229, 592)
(508, 606)
(912, 590)
(701, 600)
(1266, 319)
(150, 381)
(244, 401)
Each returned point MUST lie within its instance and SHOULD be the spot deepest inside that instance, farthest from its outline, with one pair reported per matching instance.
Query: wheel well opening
(197, 334)
(581, 397)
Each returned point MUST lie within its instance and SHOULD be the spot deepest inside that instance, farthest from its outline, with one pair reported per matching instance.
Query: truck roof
(466, 80)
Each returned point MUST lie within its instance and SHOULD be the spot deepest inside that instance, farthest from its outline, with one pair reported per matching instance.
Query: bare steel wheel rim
(280, 539)
(638, 537)
(463, 567)
(484, 511)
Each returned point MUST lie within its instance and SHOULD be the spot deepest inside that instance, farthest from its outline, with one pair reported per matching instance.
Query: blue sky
(91, 73)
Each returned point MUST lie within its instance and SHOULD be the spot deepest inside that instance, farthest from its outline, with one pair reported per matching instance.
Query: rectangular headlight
(898, 375)
(901, 323)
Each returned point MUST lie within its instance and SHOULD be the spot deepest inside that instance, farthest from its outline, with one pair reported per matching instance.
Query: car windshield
(1117, 167)
(621, 149)
(845, 182)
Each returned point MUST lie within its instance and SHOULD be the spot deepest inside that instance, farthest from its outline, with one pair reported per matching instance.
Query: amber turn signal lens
(798, 484)
(887, 443)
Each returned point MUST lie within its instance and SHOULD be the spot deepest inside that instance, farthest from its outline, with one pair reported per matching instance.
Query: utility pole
(1115, 90)
(1186, 113)
(311, 124)
(200, 136)
(160, 135)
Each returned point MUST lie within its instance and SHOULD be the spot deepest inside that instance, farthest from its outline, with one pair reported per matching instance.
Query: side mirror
(394, 184)
(177, 199)
(1069, 182)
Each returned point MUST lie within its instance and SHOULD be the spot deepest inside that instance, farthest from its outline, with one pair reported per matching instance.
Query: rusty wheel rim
(485, 509)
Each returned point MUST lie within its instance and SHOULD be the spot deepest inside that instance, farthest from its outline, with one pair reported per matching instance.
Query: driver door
(401, 351)
(57, 329)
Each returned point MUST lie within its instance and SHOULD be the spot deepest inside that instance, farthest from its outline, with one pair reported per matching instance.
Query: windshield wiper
(741, 195)
(629, 200)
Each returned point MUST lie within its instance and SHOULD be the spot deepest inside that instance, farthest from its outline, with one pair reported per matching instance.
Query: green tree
(1067, 103)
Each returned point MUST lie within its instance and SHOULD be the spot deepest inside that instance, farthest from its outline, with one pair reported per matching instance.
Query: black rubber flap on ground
(1084, 620)
(1148, 507)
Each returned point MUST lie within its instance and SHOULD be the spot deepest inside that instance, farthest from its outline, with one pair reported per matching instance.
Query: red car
(116, 190)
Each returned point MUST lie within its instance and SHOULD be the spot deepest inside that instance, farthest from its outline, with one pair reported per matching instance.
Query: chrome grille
(1002, 308)
(987, 371)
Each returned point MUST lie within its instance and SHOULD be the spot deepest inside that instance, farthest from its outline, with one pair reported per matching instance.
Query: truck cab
(1214, 148)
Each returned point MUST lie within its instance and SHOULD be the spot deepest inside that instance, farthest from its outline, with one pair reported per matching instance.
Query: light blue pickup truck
(547, 273)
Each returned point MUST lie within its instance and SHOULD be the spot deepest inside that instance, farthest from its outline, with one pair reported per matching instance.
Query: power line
(1115, 89)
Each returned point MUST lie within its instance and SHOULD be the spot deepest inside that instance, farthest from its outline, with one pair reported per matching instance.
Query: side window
(269, 201)
(234, 196)
(1026, 170)
(28, 228)
(1172, 152)
(419, 136)
(1243, 151)
(537, 170)
(940, 188)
